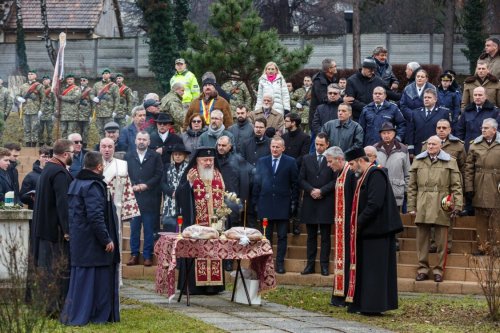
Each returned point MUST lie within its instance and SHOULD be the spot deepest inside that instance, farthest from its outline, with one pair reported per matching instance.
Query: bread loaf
(200, 232)
(238, 232)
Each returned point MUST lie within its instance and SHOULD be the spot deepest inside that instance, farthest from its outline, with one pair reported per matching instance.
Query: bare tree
(356, 35)
(449, 30)
(46, 34)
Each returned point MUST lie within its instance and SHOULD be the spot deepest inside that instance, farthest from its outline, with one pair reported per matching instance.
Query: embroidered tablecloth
(168, 248)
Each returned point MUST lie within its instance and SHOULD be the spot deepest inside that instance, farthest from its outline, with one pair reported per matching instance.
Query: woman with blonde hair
(272, 82)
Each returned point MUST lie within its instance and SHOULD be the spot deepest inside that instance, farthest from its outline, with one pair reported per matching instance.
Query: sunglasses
(196, 121)
(77, 142)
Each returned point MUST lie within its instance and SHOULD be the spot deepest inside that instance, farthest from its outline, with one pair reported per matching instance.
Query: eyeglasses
(332, 93)
(77, 142)
(196, 121)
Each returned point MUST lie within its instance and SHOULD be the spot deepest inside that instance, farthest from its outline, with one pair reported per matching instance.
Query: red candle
(179, 220)
(264, 222)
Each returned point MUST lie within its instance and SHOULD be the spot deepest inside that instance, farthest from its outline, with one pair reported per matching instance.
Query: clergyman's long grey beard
(206, 174)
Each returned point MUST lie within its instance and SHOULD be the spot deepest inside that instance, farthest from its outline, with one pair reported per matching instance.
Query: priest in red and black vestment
(375, 221)
(199, 195)
(345, 185)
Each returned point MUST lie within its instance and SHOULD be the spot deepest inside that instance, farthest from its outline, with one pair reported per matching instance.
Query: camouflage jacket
(48, 103)
(6, 101)
(171, 103)
(301, 96)
(108, 98)
(239, 95)
(124, 101)
(70, 101)
(86, 106)
(32, 96)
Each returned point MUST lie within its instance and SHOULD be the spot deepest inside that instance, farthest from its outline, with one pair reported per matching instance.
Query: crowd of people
(349, 153)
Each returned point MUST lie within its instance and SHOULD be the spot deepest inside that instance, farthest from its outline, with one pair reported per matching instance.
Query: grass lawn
(417, 313)
(139, 317)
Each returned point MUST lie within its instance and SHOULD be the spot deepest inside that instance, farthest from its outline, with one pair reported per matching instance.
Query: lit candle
(264, 226)
(180, 220)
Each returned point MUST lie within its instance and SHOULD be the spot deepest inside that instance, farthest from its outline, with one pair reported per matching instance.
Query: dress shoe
(134, 260)
(421, 277)
(324, 271)
(148, 262)
(308, 270)
(280, 269)
(438, 278)
(433, 249)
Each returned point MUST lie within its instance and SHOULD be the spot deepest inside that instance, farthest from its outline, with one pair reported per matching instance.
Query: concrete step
(458, 233)
(459, 274)
(460, 222)
(457, 246)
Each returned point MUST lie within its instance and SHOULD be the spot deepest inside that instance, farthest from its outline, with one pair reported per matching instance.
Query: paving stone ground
(269, 317)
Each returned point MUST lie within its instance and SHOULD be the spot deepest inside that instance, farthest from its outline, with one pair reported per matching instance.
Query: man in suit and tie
(317, 180)
(145, 171)
(423, 122)
(275, 193)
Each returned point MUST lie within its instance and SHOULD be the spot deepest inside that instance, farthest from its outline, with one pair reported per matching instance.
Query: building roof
(67, 14)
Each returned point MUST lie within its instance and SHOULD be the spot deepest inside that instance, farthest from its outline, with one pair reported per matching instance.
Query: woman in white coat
(273, 83)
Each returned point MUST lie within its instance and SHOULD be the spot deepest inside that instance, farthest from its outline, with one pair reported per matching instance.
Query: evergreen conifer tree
(474, 34)
(239, 49)
(181, 12)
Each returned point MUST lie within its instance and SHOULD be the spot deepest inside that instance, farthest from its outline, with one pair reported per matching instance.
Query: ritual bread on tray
(200, 232)
(238, 232)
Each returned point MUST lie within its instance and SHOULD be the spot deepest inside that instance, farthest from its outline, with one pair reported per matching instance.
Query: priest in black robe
(94, 248)
(373, 283)
(202, 167)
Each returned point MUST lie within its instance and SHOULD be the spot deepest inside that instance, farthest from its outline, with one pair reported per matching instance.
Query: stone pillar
(14, 239)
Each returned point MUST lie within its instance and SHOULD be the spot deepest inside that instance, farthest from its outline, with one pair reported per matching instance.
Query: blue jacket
(276, 193)
(421, 128)
(77, 164)
(410, 100)
(469, 125)
(451, 99)
(347, 136)
(371, 121)
(92, 222)
(126, 141)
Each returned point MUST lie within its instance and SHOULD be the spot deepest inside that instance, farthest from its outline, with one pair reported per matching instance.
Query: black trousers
(281, 230)
(312, 242)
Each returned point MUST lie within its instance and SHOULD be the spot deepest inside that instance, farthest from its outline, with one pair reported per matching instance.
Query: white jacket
(277, 89)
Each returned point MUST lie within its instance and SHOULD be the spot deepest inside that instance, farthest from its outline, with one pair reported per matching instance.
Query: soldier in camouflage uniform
(300, 100)
(171, 104)
(30, 100)
(105, 96)
(125, 101)
(239, 94)
(6, 102)
(47, 111)
(85, 110)
(69, 97)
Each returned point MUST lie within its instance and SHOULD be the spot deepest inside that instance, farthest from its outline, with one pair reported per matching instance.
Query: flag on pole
(59, 66)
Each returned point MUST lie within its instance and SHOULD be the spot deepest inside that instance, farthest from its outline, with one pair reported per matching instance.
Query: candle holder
(180, 220)
(264, 226)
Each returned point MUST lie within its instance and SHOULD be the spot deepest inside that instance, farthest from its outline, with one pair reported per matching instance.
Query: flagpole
(56, 79)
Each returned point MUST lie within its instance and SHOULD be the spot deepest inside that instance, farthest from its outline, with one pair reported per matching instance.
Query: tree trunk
(356, 36)
(449, 29)
(21, 58)
(46, 35)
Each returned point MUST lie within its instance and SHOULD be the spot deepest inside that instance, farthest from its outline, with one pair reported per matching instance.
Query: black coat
(236, 173)
(156, 143)
(29, 184)
(319, 92)
(316, 211)
(255, 148)
(14, 177)
(92, 222)
(376, 266)
(50, 213)
(469, 125)
(148, 172)
(297, 144)
(6, 184)
(325, 112)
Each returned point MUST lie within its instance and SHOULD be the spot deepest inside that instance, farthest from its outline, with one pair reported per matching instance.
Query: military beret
(69, 75)
(119, 75)
(84, 77)
(106, 70)
(45, 77)
(32, 71)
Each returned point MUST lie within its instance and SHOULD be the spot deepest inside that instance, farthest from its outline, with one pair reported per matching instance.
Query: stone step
(460, 222)
(458, 233)
(457, 246)
(451, 273)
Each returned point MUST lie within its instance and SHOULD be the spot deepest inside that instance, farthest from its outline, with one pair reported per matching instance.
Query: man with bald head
(469, 125)
(435, 181)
